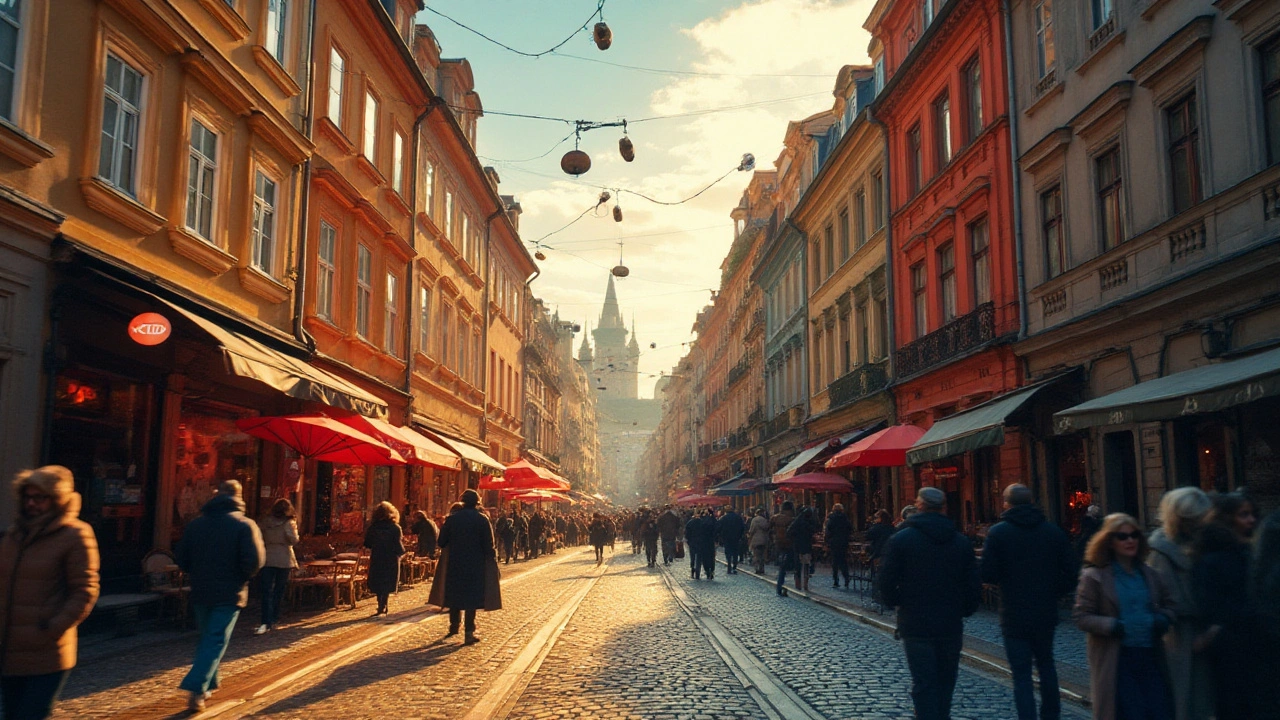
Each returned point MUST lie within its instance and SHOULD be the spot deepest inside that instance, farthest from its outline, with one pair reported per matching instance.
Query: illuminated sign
(149, 329)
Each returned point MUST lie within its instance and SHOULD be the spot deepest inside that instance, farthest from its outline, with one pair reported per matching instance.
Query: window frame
(1046, 45)
(424, 316)
(1052, 235)
(972, 75)
(391, 314)
(1113, 192)
(398, 168)
(261, 208)
(877, 199)
(326, 270)
(1188, 145)
(843, 232)
(202, 163)
(1269, 89)
(19, 23)
(980, 260)
(829, 249)
(369, 135)
(364, 291)
(918, 274)
(340, 98)
(859, 218)
(948, 290)
(1100, 11)
(915, 160)
(279, 30)
(943, 150)
(138, 108)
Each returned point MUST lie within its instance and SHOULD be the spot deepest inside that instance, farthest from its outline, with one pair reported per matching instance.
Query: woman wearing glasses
(1125, 609)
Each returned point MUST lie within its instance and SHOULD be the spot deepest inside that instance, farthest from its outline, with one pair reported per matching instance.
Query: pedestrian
(1264, 589)
(537, 527)
(706, 551)
(426, 531)
(758, 539)
(279, 535)
(907, 512)
(668, 528)
(730, 528)
(778, 525)
(929, 575)
(1125, 608)
(801, 533)
(521, 526)
(879, 533)
(386, 545)
(471, 579)
(221, 551)
(649, 535)
(836, 534)
(598, 534)
(506, 533)
(692, 541)
(1089, 525)
(1033, 563)
(1183, 512)
(1220, 579)
(49, 558)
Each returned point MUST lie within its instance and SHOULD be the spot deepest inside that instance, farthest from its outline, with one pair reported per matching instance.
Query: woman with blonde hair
(1124, 607)
(385, 542)
(279, 535)
(1183, 512)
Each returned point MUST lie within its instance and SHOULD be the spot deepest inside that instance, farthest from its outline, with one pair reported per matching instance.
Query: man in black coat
(930, 576)
(693, 542)
(836, 534)
(668, 527)
(707, 543)
(506, 532)
(220, 552)
(1032, 561)
(537, 526)
(468, 537)
(730, 527)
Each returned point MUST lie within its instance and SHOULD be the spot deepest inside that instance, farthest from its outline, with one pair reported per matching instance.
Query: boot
(470, 639)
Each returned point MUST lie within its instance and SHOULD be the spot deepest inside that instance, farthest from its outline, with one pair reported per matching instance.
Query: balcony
(782, 422)
(739, 439)
(739, 371)
(858, 383)
(949, 341)
(756, 416)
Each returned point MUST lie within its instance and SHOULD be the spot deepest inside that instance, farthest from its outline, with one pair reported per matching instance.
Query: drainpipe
(300, 282)
(410, 337)
(1019, 255)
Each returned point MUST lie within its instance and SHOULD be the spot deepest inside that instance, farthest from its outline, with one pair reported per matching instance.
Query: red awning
(536, 496)
(414, 447)
(320, 437)
(524, 475)
(887, 448)
(817, 482)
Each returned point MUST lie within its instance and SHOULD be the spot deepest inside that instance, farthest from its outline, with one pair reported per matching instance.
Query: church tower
(615, 363)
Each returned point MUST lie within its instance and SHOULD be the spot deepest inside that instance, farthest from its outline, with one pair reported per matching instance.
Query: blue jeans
(31, 697)
(934, 665)
(784, 563)
(273, 581)
(216, 623)
(1141, 692)
(1021, 651)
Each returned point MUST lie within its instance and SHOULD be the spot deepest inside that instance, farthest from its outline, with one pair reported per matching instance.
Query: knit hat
(932, 497)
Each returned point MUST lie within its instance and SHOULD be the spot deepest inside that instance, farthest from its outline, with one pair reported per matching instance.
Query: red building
(945, 108)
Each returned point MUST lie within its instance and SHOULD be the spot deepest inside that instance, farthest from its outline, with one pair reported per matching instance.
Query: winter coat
(505, 530)
(668, 525)
(693, 532)
(1220, 580)
(386, 545)
(837, 532)
(49, 567)
(279, 535)
(877, 535)
(427, 534)
(537, 525)
(706, 533)
(598, 533)
(930, 575)
(220, 552)
(758, 532)
(648, 531)
(730, 528)
(779, 524)
(1032, 561)
(1096, 612)
(468, 538)
(800, 532)
(1188, 670)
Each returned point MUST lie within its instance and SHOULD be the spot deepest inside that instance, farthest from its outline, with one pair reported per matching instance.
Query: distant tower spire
(611, 316)
(584, 351)
(634, 345)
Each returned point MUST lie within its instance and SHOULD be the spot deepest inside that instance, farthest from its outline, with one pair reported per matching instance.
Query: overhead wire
(599, 11)
(690, 73)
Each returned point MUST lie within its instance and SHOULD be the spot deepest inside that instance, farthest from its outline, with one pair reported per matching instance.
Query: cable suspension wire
(652, 118)
(598, 12)
(690, 73)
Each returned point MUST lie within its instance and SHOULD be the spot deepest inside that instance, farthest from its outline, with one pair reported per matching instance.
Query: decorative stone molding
(1271, 201)
(201, 251)
(106, 199)
(217, 81)
(227, 17)
(1186, 242)
(1190, 39)
(1114, 275)
(277, 72)
(1054, 302)
(21, 147)
(1092, 119)
(257, 282)
(1047, 87)
(1104, 32)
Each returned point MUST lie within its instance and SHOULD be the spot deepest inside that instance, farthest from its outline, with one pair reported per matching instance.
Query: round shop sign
(149, 329)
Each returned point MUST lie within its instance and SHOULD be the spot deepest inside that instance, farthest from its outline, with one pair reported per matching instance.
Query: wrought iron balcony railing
(858, 383)
(951, 340)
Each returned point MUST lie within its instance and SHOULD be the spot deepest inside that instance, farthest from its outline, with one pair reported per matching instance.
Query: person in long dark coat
(427, 533)
(706, 538)
(599, 534)
(730, 527)
(1220, 581)
(692, 540)
(468, 537)
(836, 534)
(386, 545)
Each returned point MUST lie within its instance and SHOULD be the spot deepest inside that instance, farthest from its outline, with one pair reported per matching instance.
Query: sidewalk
(983, 642)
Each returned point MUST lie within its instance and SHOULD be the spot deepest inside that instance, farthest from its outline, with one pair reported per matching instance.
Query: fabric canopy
(467, 452)
(415, 448)
(817, 482)
(524, 475)
(1202, 390)
(737, 486)
(810, 455)
(886, 448)
(248, 358)
(699, 499)
(537, 495)
(979, 426)
(319, 437)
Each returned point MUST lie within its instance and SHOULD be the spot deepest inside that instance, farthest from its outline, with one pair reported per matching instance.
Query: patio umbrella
(817, 482)
(415, 448)
(699, 499)
(524, 475)
(319, 437)
(887, 448)
(538, 496)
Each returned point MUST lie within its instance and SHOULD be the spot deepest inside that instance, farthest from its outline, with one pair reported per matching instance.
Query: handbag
(679, 549)
(492, 585)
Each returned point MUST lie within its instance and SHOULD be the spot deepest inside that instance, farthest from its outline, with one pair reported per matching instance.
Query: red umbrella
(537, 496)
(817, 482)
(699, 499)
(412, 446)
(320, 437)
(524, 475)
(887, 448)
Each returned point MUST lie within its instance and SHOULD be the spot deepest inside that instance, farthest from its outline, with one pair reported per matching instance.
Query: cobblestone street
(574, 640)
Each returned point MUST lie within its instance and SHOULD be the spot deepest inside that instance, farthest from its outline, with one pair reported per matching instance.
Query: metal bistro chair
(161, 575)
(315, 575)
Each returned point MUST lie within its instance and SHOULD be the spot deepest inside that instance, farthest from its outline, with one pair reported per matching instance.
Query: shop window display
(348, 498)
(210, 449)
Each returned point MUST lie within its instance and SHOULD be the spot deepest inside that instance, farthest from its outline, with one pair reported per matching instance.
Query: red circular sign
(149, 329)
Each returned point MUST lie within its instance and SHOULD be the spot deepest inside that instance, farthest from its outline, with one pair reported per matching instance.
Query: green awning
(979, 426)
(1191, 392)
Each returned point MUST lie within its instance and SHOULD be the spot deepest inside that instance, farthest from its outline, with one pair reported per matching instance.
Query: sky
(779, 58)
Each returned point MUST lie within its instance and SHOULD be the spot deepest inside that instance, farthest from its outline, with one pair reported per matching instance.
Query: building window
(446, 331)
(10, 33)
(846, 346)
(264, 223)
(980, 251)
(919, 300)
(397, 162)
(1101, 12)
(915, 162)
(1055, 246)
(202, 171)
(973, 100)
(1045, 54)
(880, 343)
(860, 218)
(1270, 61)
(1110, 207)
(942, 126)
(277, 28)
(337, 85)
(461, 345)
(877, 199)
(429, 174)
(879, 74)
(391, 316)
(328, 268)
(424, 319)
(1184, 153)
(448, 214)
(947, 281)
(844, 234)
(364, 290)
(370, 147)
(121, 111)
(829, 246)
